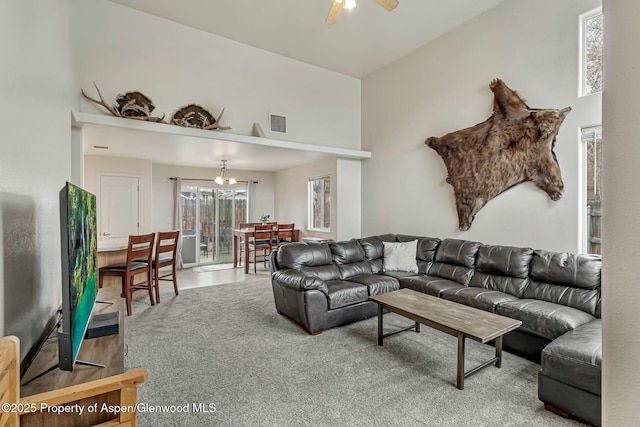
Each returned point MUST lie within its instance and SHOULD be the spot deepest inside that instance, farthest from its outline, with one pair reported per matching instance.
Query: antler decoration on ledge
(136, 105)
(195, 116)
(131, 105)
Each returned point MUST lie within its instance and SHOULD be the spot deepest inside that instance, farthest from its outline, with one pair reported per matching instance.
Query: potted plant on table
(264, 218)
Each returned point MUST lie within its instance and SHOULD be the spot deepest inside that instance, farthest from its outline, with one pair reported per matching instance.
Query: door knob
(106, 234)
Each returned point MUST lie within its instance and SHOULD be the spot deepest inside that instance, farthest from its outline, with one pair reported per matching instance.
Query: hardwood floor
(189, 278)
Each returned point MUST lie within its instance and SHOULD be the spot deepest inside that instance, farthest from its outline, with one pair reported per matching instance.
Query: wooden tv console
(88, 387)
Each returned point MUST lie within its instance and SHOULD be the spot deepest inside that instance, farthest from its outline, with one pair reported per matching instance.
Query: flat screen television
(79, 254)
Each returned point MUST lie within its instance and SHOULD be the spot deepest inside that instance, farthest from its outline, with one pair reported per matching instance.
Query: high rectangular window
(591, 52)
(319, 204)
(592, 140)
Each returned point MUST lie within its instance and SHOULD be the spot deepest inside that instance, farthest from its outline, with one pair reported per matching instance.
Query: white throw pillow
(400, 256)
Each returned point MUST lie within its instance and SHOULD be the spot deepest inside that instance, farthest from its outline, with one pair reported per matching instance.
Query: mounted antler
(131, 105)
(195, 116)
(101, 102)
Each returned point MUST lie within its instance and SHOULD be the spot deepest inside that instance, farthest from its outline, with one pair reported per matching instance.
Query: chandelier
(222, 178)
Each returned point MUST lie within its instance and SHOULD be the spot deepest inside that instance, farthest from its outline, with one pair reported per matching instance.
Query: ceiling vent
(277, 123)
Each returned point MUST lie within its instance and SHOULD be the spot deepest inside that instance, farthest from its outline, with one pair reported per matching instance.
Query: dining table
(244, 234)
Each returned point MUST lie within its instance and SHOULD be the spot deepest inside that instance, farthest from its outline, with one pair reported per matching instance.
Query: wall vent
(277, 123)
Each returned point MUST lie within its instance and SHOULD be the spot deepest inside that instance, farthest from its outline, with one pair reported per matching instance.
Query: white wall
(291, 196)
(36, 80)
(122, 49)
(443, 87)
(97, 165)
(621, 232)
(163, 187)
(348, 199)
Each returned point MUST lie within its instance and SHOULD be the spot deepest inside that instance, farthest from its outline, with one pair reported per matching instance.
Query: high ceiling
(364, 39)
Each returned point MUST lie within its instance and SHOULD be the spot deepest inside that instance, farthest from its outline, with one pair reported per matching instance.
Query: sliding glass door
(209, 215)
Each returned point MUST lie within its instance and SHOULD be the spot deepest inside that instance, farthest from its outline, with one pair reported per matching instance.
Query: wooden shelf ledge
(81, 119)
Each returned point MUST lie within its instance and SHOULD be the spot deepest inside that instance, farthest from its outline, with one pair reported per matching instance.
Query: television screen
(79, 241)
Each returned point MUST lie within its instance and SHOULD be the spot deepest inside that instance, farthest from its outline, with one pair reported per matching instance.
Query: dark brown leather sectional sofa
(555, 295)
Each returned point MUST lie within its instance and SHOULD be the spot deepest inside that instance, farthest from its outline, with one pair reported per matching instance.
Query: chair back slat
(262, 241)
(140, 247)
(285, 233)
(167, 242)
(263, 232)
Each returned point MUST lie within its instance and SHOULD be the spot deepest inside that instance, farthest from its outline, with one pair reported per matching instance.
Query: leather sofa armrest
(299, 281)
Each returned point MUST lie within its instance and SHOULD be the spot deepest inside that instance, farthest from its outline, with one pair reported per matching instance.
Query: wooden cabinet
(85, 387)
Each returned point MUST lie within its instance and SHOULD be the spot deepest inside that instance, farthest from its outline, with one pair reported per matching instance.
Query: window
(591, 62)
(592, 139)
(319, 203)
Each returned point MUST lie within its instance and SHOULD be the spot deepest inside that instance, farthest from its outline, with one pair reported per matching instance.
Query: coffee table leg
(380, 334)
(499, 351)
(460, 379)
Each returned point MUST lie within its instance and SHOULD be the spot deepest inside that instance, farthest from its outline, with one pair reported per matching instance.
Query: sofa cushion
(425, 252)
(484, 299)
(298, 281)
(399, 274)
(543, 318)
(574, 270)
(504, 261)
(568, 279)
(400, 256)
(346, 252)
(373, 247)
(456, 273)
(575, 358)
(299, 254)
(354, 269)
(312, 259)
(457, 252)
(342, 293)
(510, 285)
(376, 283)
(454, 260)
(324, 272)
(582, 299)
(428, 284)
(376, 265)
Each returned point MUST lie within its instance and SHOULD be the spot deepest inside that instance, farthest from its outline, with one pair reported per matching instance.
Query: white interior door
(119, 204)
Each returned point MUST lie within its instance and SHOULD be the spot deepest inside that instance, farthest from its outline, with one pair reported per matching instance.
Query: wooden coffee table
(449, 317)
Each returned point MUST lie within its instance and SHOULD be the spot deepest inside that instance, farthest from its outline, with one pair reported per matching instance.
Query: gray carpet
(226, 345)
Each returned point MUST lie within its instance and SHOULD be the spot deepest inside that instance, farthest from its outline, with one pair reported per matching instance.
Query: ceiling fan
(338, 5)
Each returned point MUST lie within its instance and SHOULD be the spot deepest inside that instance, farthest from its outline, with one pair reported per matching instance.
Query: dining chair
(166, 253)
(139, 253)
(262, 241)
(204, 244)
(241, 226)
(285, 234)
(248, 224)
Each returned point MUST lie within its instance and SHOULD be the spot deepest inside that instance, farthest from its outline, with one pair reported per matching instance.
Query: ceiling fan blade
(334, 13)
(388, 4)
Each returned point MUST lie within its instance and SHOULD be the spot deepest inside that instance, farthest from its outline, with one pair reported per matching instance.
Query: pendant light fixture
(222, 178)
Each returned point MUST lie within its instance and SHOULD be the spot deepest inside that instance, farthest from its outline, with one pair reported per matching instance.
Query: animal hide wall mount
(513, 146)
